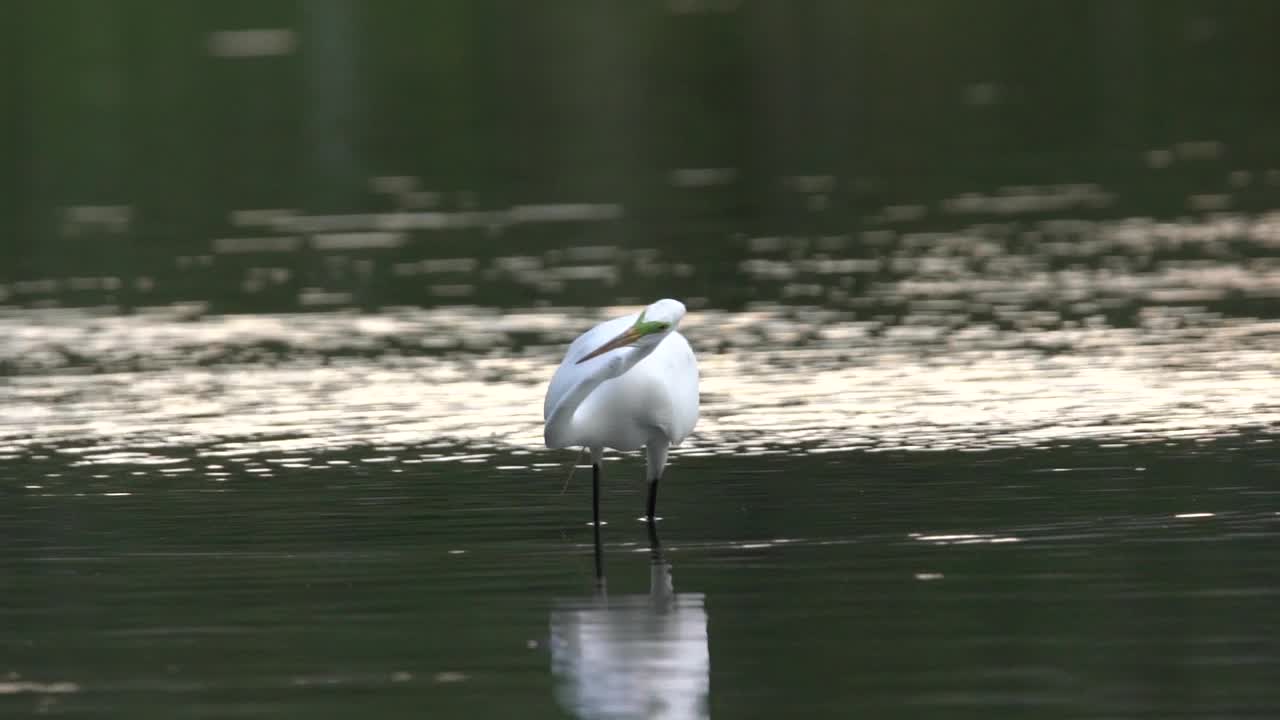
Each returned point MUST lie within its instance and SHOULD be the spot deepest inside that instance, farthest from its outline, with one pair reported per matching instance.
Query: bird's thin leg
(655, 461)
(595, 494)
(595, 516)
(655, 545)
(653, 497)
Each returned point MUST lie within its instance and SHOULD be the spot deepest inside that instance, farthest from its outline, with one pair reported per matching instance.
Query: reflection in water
(633, 656)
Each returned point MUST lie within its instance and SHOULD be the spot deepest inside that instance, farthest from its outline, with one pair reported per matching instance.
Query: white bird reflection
(633, 656)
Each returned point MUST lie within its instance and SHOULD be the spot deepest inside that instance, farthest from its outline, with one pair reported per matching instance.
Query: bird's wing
(569, 374)
(680, 380)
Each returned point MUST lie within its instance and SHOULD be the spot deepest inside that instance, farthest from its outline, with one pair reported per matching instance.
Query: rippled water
(1144, 331)
(963, 474)
(774, 377)
(1134, 582)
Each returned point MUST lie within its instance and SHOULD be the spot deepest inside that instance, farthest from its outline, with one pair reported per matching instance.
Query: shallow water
(989, 470)
(986, 299)
(1072, 581)
(961, 340)
(322, 514)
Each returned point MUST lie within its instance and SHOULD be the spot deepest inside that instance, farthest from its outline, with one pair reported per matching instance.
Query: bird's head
(654, 323)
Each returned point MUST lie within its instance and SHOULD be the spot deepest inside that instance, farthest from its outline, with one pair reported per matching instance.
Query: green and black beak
(630, 335)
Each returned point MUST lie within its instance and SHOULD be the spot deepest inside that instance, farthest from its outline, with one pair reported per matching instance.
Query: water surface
(914, 514)
(982, 453)
(1071, 581)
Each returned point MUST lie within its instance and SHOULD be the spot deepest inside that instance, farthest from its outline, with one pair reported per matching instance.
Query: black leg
(655, 545)
(595, 494)
(595, 516)
(653, 497)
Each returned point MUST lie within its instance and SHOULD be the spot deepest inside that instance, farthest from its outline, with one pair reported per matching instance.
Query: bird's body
(627, 383)
(627, 412)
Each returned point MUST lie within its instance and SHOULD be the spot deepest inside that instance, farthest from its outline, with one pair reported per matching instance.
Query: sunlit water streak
(773, 377)
(990, 334)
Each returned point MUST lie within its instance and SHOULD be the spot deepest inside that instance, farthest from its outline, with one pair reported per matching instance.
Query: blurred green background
(134, 130)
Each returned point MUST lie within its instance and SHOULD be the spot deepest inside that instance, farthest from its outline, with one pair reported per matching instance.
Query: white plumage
(627, 383)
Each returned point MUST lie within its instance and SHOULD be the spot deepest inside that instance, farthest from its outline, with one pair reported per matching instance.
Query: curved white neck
(557, 432)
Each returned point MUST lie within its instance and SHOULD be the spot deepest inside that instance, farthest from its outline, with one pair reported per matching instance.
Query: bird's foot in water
(646, 518)
(602, 523)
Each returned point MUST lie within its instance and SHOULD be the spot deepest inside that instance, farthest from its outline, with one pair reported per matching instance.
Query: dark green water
(984, 297)
(1069, 582)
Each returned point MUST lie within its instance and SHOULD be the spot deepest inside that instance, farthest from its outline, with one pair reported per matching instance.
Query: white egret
(626, 383)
